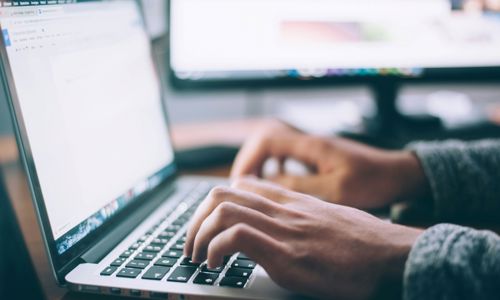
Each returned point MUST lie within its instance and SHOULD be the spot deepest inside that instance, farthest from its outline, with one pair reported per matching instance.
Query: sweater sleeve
(464, 179)
(453, 262)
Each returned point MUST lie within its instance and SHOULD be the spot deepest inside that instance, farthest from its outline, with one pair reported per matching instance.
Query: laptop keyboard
(158, 255)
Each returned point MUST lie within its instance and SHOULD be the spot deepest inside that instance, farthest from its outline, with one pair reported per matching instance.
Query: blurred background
(385, 72)
(333, 66)
(220, 61)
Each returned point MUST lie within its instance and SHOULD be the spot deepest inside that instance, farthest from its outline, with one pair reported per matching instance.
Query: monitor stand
(388, 122)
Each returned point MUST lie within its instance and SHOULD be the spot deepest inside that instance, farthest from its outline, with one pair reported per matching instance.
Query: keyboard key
(166, 234)
(135, 293)
(115, 291)
(108, 271)
(172, 253)
(236, 282)
(186, 261)
(242, 257)
(129, 273)
(145, 256)
(166, 262)
(159, 242)
(178, 247)
(135, 246)
(206, 269)
(157, 295)
(126, 254)
(173, 228)
(180, 221)
(206, 278)
(182, 274)
(156, 273)
(236, 272)
(144, 237)
(138, 264)
(118, 262)
(247, 264)
(154, 249)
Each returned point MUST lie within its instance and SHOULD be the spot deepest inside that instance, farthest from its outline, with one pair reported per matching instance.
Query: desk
(184, 136)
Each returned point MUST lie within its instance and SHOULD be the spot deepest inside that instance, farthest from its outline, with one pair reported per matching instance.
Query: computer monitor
(381, 43)
(223, 42)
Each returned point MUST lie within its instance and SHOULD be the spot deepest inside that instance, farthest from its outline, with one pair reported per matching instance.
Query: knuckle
(218, 193)
(224, 210)
(239, 232)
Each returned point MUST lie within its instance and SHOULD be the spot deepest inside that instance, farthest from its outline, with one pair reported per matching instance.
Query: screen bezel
(63, 263)
(429, 75)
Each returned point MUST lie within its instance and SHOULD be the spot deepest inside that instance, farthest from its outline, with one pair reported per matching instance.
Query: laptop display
(86, 92)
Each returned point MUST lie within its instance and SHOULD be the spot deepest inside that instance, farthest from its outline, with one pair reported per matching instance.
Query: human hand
(481, 5)
(343, 171)
(306, 245)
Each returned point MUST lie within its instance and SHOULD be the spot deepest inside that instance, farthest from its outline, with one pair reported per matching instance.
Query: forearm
(463, 179)
(453, 262)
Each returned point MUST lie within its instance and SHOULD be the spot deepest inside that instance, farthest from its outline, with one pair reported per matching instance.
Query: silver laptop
(90, 123)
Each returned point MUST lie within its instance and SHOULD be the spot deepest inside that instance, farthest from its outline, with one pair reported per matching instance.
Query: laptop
(90, 122)
(17, 275)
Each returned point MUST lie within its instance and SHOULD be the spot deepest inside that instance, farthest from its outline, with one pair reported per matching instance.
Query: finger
(219, 195)
(312, 185)
(254, 153)
(226, 215)
(263, 188)
(260, 247)
(251, 157)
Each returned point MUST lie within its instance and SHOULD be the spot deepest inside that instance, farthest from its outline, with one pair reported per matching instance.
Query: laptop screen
(91, 105)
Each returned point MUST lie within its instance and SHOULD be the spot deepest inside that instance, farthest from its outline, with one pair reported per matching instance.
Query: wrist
(400, 242)
(409, 177)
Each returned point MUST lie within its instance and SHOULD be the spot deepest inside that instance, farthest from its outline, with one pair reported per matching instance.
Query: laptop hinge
(110, 240)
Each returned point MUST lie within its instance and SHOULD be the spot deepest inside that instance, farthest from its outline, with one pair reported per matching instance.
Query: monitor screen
(252, 39)
(91, 105)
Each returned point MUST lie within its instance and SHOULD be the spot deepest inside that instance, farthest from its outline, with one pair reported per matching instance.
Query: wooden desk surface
(184, 136)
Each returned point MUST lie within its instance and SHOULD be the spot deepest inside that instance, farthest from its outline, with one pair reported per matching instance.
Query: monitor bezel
(430, 76)
(62, 264)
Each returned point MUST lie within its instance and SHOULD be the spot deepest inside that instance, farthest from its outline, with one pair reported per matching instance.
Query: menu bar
(35, 3)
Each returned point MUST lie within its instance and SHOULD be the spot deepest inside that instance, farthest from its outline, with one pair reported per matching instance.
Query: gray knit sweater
(450, 261)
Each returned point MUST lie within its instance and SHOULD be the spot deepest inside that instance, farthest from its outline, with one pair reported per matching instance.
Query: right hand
(305, 245)
(344, 172)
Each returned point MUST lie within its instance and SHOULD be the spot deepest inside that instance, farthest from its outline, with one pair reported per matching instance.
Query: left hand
(306, 245)
(482, 5)
(342, 171)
